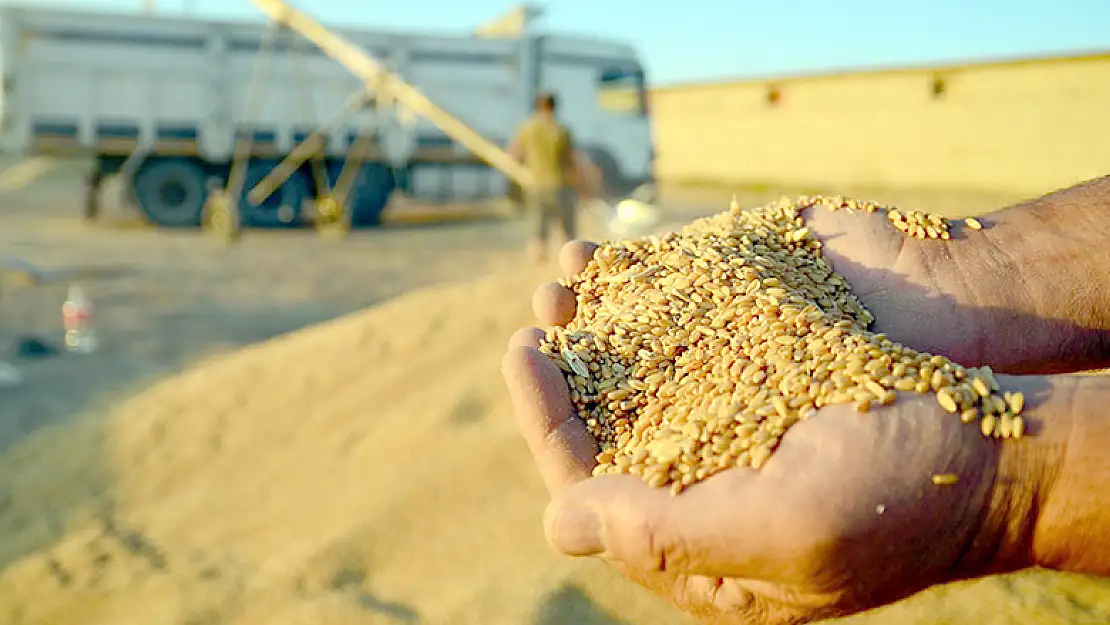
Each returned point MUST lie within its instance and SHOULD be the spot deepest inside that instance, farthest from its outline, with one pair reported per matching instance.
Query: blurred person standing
(545, 146)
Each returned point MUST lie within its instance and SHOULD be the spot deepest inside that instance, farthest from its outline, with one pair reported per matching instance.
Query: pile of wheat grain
(694, 352)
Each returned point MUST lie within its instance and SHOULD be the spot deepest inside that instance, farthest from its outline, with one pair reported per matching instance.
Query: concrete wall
(1015, 127)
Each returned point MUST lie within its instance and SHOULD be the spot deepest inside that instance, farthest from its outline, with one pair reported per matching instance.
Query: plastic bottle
(77, 312)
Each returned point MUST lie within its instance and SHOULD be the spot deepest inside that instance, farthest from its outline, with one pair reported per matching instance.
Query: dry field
(206, 467)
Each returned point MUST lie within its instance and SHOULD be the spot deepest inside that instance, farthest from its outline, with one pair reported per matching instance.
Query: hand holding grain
(854, 509)
(843, 517)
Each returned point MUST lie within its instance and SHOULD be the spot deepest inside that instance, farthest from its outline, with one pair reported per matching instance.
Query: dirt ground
(206, 467)
(165, 300)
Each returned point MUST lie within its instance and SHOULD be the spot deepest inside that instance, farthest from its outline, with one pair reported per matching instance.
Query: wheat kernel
(986, 424)
(905, 384)
(945, 479)
(946, 401)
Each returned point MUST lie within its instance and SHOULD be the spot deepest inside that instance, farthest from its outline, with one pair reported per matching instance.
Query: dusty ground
(362, 471)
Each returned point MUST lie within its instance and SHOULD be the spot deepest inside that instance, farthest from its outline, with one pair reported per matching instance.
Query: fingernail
(576, 531)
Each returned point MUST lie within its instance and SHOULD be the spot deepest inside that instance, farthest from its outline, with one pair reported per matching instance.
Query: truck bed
(104, 83)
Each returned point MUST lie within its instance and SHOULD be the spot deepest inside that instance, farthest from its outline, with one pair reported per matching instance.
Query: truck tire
(375, 186)
(283, 208)
(171, 192)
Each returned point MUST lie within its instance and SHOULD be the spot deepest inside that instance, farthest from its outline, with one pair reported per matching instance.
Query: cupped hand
(843, 517)
(969, 298)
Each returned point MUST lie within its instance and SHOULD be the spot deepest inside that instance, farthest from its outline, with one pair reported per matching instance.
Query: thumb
(735, 524)
(620, 518)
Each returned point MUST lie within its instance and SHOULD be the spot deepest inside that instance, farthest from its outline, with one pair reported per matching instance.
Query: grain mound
(694, 352)
(367, 471)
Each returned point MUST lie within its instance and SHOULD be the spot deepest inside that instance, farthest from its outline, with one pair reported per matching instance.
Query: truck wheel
(171, 192)
(283, 208)
(375, 186)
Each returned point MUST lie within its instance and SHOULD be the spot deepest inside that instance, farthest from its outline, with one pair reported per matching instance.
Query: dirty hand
(815, 533)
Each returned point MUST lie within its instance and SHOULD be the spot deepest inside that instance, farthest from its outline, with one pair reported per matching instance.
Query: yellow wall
(1024, 127)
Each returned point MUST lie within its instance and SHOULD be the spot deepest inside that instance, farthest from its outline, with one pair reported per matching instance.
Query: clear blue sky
(696, 40)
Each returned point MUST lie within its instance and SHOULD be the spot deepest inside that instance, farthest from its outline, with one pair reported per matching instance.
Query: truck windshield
(621, 90)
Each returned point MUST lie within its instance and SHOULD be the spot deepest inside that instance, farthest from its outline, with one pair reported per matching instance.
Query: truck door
(625, 127)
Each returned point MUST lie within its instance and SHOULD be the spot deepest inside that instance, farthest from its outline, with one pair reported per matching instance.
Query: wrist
(1042, 261)
(1017, 515)
(1073, 529)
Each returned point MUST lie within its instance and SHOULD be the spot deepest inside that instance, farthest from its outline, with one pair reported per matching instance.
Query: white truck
(161, 100)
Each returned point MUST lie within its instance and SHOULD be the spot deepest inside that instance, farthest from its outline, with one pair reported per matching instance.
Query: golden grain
(1006, 426)
(987, 424)
(694, 352)
(946, 401)
(945, 479)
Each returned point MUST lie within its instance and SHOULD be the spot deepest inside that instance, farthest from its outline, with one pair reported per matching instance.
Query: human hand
(1011, 296)
(815, 533)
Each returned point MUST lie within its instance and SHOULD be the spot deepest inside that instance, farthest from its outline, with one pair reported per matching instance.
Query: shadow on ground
(569, 605)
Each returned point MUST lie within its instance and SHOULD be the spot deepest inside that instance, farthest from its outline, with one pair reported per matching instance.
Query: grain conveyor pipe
(383, 81)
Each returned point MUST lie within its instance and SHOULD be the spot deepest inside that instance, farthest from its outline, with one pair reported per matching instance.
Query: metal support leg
(92, 194)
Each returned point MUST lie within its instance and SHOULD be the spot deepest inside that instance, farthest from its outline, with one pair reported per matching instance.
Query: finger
(574, 255)
(526, 337)
(618, 517)
(703, 531)
(554, 304)
(562, 448)
(849, 238)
